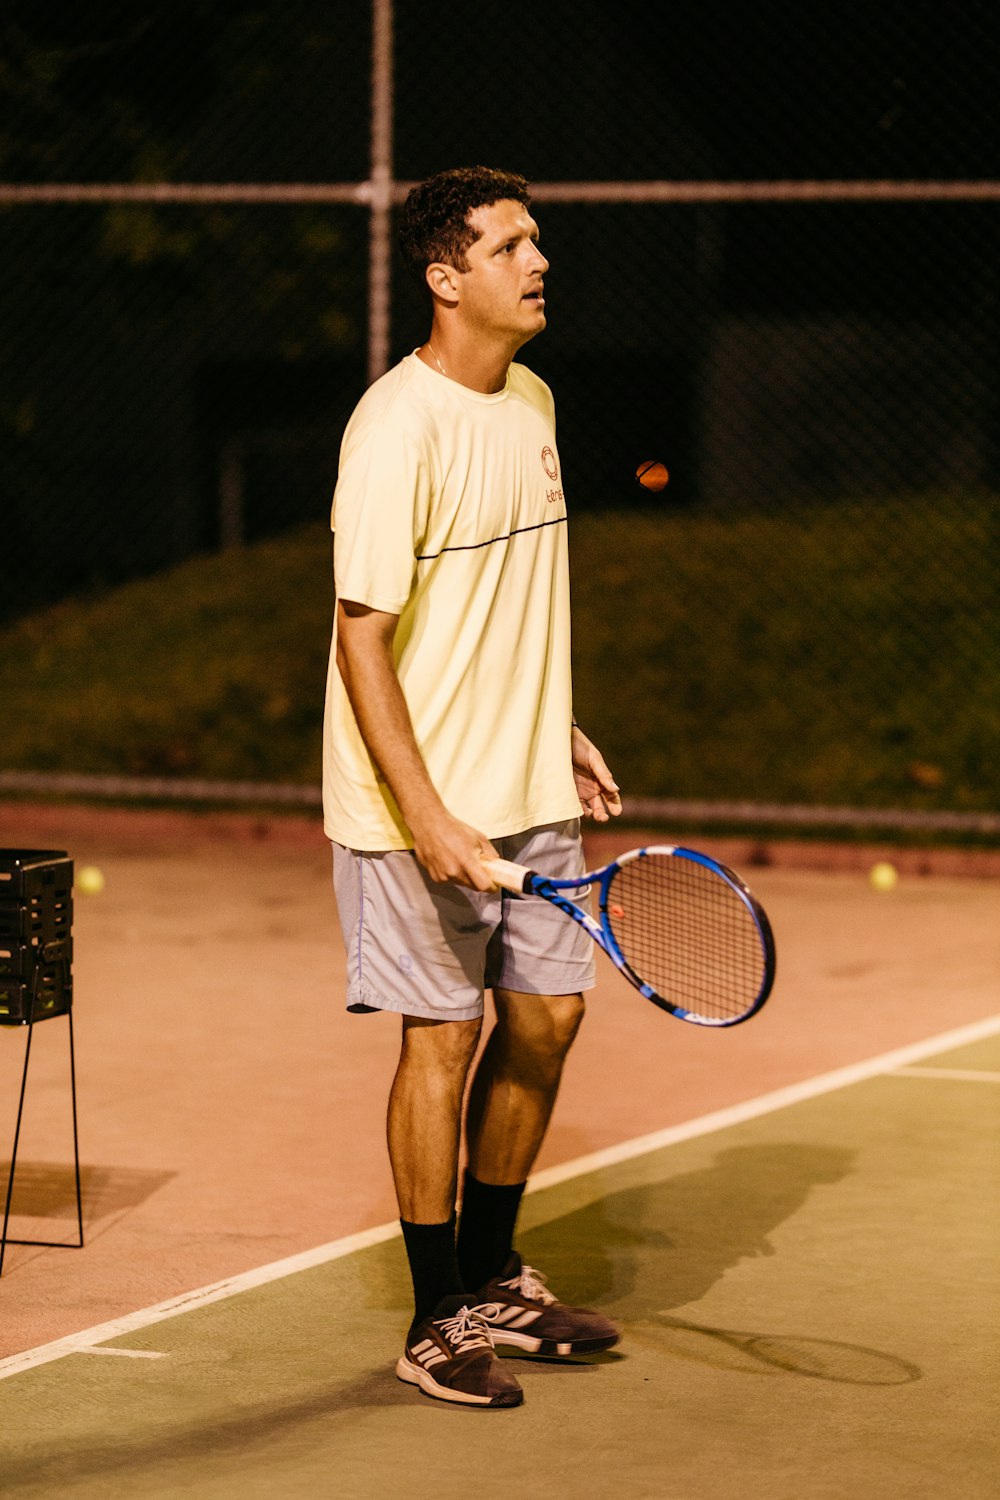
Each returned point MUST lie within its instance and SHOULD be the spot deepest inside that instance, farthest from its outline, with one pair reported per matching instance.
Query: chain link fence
(176, 374)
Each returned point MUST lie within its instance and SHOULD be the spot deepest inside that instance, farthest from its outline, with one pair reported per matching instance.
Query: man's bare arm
(447, 848)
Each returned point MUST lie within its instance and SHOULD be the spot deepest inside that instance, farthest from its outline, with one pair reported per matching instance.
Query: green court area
(809, 1298)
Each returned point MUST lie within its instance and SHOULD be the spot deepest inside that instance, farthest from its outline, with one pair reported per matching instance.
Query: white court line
(961, 1075)
(795, 1093)
(82, 1343)
(749, 1109)
(125, 1353)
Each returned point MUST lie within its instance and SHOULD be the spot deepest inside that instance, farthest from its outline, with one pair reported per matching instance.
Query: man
(449, 739)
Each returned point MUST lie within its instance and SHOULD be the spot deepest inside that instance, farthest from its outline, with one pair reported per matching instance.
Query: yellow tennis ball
(883, 876)
(90, 880)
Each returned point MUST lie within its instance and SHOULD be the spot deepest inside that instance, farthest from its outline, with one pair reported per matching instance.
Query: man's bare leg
(516, 1082)
(510, 1106)
(448, 1351)
(425, 1113)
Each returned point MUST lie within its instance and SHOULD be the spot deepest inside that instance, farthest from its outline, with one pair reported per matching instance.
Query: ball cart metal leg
(36, 981)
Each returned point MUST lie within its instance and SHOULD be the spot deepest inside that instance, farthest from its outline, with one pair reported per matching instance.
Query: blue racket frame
(600, 930)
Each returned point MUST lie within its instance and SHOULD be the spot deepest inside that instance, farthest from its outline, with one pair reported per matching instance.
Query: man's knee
(566, 1012)
(443, 1047)
(540, 1025)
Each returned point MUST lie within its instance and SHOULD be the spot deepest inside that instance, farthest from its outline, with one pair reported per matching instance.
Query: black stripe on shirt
(475, 546)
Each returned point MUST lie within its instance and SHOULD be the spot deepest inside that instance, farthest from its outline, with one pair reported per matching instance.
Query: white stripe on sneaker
(517, 1315)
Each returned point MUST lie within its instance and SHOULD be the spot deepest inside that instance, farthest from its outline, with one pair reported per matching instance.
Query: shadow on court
(773, 1294)
(777, 1354)
(663, 1245)
(43, 1202)
(175, 1451)
(44, 1190)
(639, 1252)
(647, 1249)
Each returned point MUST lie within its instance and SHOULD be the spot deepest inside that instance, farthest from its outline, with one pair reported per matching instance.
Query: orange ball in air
(652, 476)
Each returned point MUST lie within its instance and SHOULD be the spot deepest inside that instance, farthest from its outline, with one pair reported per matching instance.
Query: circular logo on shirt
(549, 463)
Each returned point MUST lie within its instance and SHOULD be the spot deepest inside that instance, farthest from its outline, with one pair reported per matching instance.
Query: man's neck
(476, 367)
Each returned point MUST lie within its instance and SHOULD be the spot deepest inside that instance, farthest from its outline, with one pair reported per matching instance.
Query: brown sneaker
(450, 1355)
(522, 1313)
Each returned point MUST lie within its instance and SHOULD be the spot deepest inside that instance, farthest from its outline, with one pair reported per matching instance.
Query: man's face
(501, 292)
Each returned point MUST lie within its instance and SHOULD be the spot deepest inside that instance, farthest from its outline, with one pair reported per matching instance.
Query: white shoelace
(531, 1283)
(468, 1328)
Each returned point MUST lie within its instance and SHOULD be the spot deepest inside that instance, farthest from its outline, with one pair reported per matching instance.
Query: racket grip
(508, 876)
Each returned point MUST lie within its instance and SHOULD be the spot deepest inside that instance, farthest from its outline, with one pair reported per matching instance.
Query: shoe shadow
(639, 1252)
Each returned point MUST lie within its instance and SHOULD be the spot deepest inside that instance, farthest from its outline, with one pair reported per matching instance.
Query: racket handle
(508, 876)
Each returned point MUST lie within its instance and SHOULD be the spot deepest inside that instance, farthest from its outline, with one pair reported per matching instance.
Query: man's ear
(443, 281)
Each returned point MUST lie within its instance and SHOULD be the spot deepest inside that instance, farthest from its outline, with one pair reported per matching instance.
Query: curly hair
(434, 224)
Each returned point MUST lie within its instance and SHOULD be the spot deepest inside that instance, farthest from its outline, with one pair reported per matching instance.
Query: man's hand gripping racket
(681, 927)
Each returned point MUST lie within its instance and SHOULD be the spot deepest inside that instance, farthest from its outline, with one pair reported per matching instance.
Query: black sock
(486, 1228)
(430, 1249)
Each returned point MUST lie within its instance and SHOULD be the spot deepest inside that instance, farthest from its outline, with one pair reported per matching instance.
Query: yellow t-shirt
(449, 512)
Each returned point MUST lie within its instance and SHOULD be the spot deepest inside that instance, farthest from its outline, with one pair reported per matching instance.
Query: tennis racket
(681, 927)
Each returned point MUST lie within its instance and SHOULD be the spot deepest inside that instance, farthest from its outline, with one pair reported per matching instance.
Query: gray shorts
(427, 949)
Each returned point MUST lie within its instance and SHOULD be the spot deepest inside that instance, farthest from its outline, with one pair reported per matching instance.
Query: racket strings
(686, 933)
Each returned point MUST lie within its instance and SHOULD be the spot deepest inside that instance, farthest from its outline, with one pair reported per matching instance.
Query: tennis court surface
(796, 1222)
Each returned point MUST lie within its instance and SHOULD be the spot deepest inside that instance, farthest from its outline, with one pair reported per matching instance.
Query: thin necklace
(436, 360)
